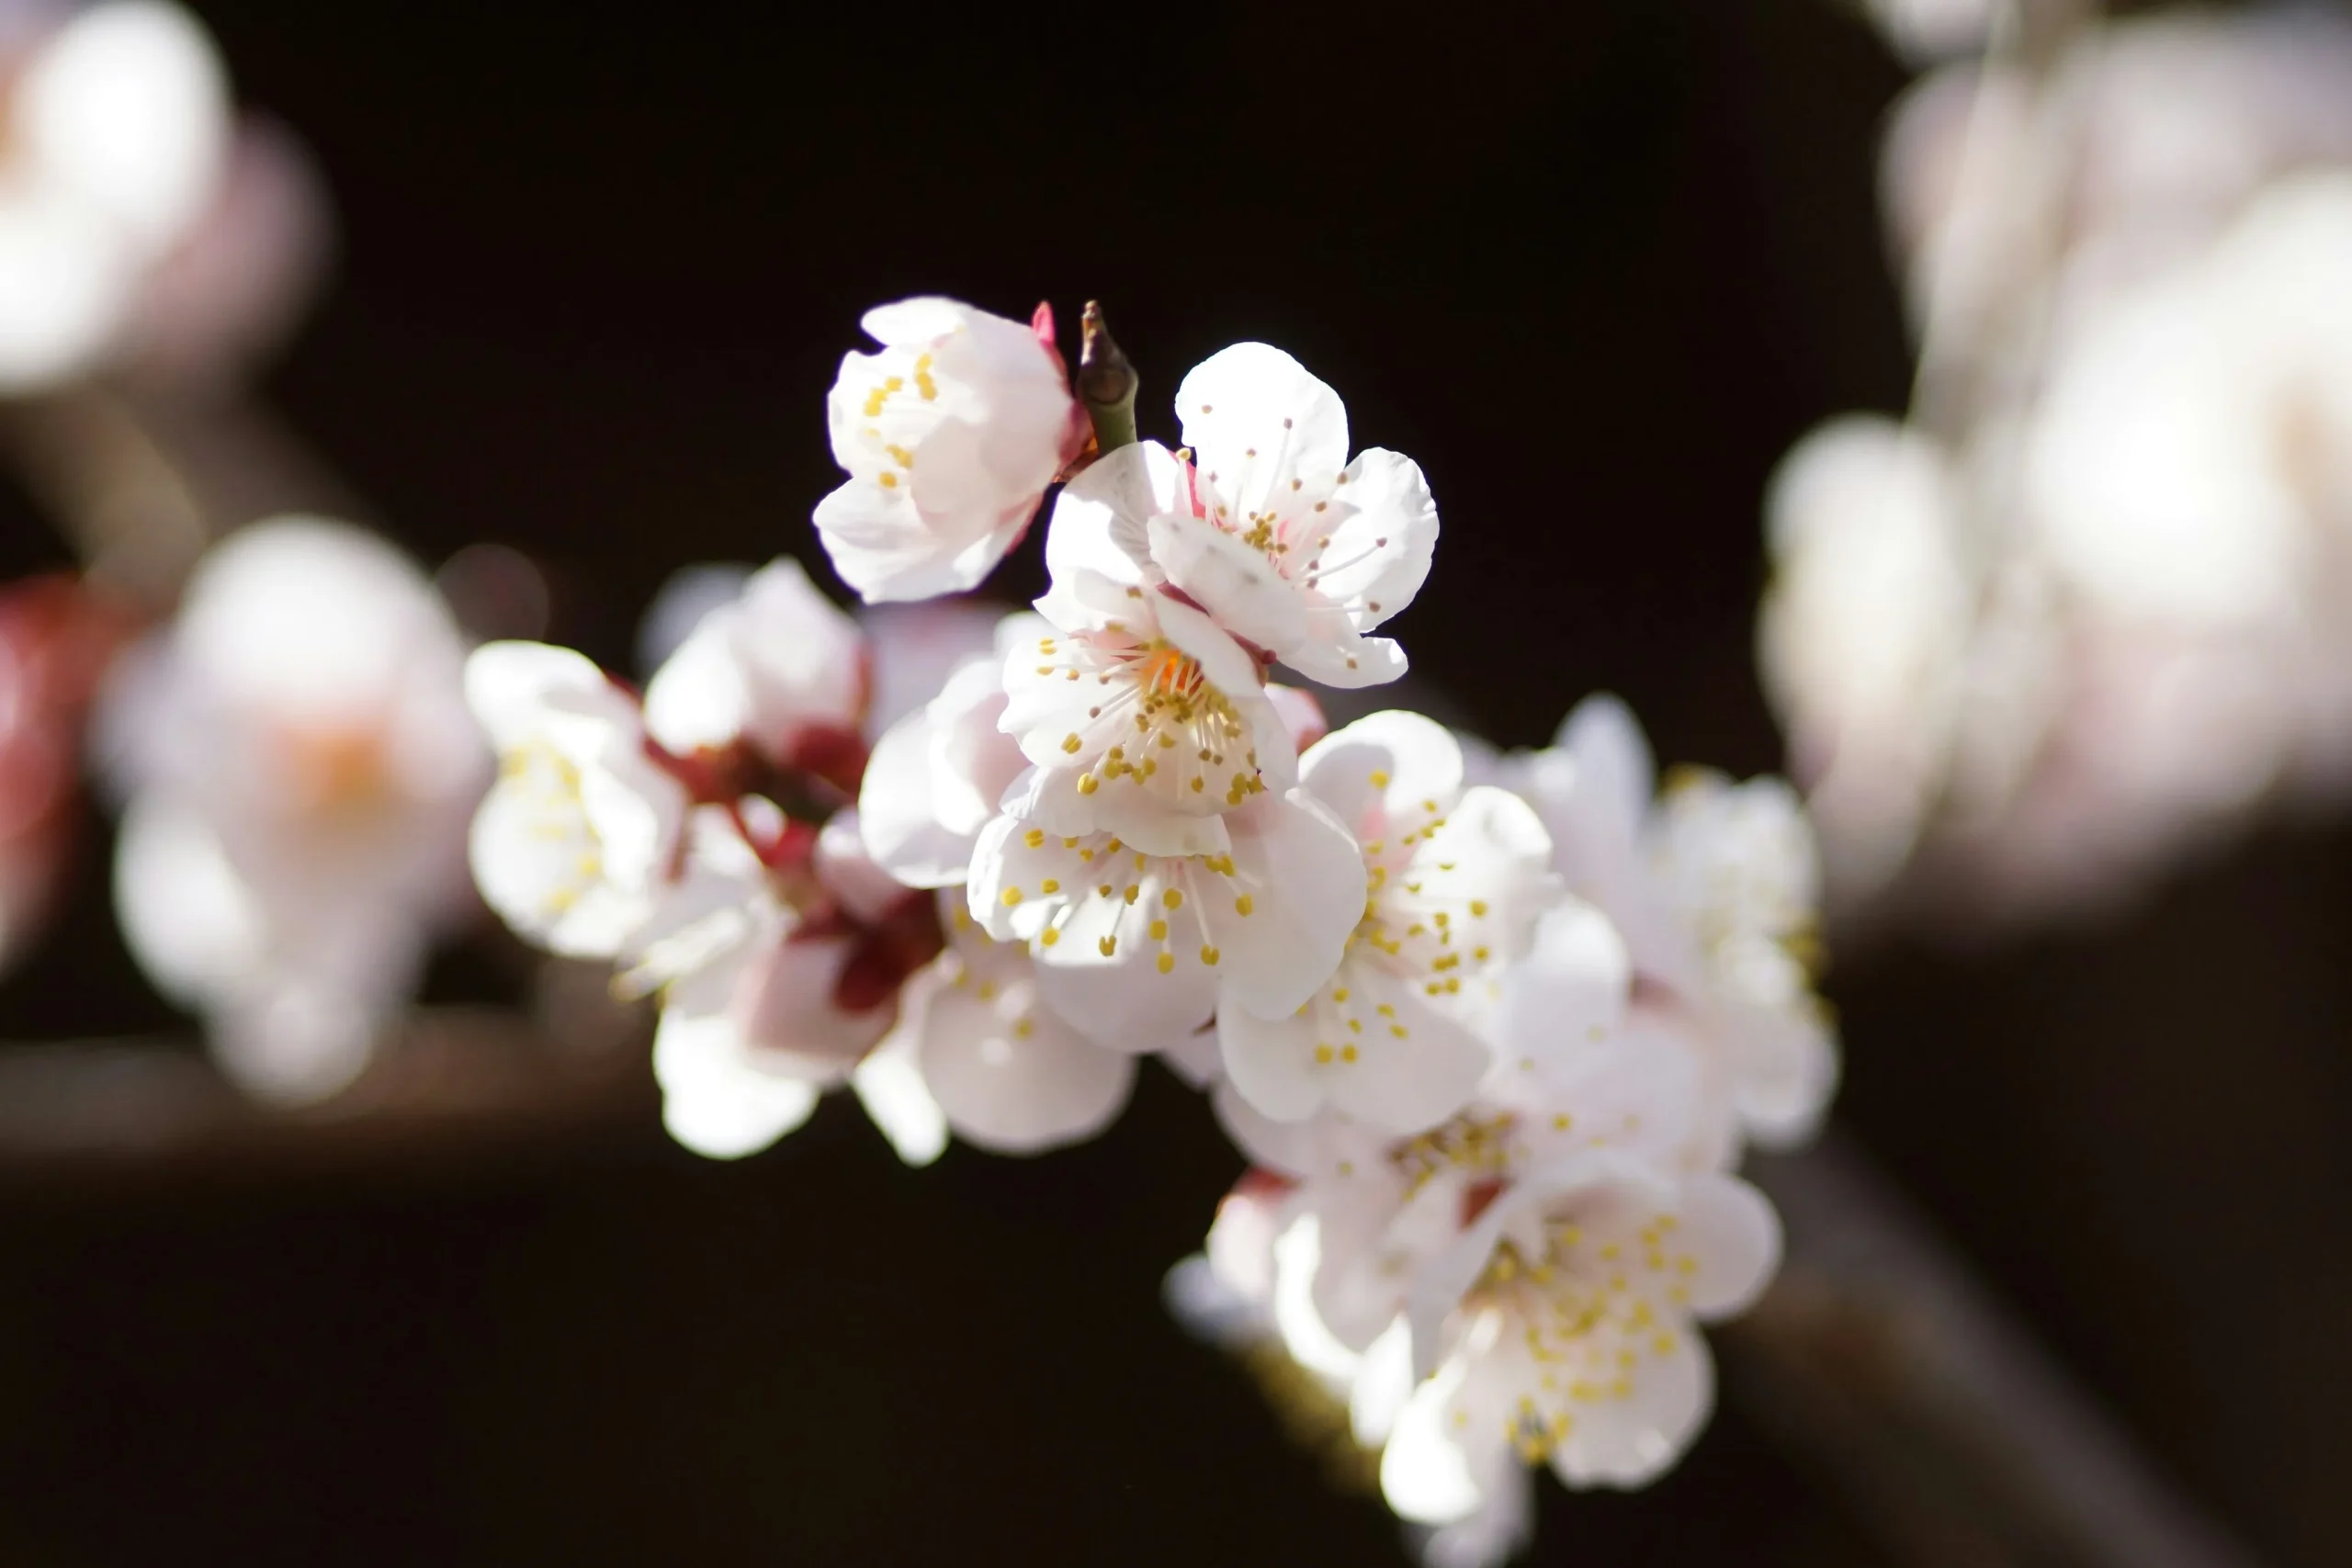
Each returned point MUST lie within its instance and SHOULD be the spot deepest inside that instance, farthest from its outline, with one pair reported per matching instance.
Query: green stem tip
(1107, 383)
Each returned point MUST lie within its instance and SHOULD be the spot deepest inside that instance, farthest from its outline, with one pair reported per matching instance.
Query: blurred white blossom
(2095, 611)
(140, 224)
(299, 765)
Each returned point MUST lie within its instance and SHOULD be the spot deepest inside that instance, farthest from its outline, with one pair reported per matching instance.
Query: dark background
(1595, 265)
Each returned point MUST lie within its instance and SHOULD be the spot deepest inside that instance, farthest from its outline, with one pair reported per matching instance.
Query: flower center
(337, 770)
(1184, 730)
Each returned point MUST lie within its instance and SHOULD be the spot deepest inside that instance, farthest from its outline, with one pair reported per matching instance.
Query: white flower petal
(67, 282)
(1010, 1074)
(1733, 1234)
(1337, 656)
(1430, 1471)
(1233, 581)
(897, 814)
(1307, 879)
(1379, 553)
(1256, 419)
(891, 1085)
(128, 106)
(1569, 990)
(712, 1101)
(1101, 517)
(781, 662)
(296, 1043)
(1384, 766)
(1401, 1068)
(188, 915)
(1122, 999)
(1630, 1441)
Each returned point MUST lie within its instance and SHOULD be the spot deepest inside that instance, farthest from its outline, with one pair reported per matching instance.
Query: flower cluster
(2094, 603)
(1493, 1030)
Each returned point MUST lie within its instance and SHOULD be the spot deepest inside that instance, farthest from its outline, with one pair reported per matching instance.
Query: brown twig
(453, 1076)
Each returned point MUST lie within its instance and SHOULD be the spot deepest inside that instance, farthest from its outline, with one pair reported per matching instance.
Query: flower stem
(1107, 383)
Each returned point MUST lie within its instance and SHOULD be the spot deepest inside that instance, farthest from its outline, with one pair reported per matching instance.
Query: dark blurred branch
(454, 1076)
(1879, 1360)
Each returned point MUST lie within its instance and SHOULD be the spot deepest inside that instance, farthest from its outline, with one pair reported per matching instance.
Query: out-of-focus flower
(951, 435)
(236, 286)
(1928, 30)
(2096, 617)
(2145, 139)
(118, 120)
(56, 638)
(141, 226)
(299, 765)
(1266, 524)
(1457, 879)
(1862, 637)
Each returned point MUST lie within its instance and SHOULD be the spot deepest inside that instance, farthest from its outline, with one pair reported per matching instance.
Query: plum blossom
(1714, 888)
(1519, 1283)
(1265, 523)
(937, 775)
(1137, 951)
(1562, 1329)
(1007, 1072)
(1862, 637)
(118, 120)
(299, 765)
(1457, 878)
(142, 227)
(951, 434)
(1492, 1030)
(2087, 614)
(706, 842)
(1139, 717)
(777, 669)
(1155, 854)
(570, 843)
(778, 953)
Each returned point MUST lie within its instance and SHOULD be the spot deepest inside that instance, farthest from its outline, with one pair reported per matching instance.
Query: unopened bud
(1107, 383)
